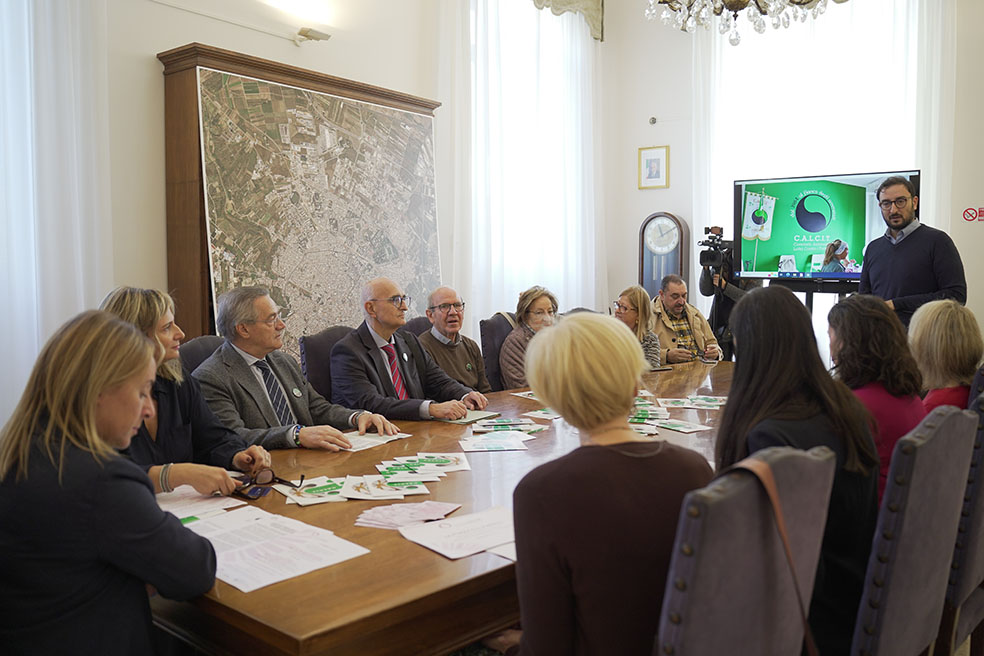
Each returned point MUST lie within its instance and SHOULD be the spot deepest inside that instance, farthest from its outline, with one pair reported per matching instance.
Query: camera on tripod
(716, 249)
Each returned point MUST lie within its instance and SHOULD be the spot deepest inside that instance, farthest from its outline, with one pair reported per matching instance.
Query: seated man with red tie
(257, 390)
(386, 371)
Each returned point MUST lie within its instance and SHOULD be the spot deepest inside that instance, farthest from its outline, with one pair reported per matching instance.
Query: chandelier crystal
(688, 15)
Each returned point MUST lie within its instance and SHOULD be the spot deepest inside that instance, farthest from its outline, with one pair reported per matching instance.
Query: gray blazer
(240, 401)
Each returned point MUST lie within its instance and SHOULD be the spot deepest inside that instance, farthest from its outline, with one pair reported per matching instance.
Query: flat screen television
(784, 225)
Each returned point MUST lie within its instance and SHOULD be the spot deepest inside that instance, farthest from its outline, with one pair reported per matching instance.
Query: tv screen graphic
(809, 227)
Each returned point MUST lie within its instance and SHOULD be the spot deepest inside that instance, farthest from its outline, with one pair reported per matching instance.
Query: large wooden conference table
(402, 598)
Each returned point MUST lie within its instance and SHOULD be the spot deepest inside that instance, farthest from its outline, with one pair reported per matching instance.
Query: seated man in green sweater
(457, 355)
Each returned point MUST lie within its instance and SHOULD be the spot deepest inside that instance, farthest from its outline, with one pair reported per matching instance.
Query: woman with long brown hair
(183, 443)
(82, 534)
(871, 355)
(782, 395)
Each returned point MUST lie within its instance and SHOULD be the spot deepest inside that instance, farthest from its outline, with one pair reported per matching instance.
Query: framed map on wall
(309, 186)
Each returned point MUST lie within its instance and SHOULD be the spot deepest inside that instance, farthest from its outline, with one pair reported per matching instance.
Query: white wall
(968, 150)
(389, 44)
(646, 69)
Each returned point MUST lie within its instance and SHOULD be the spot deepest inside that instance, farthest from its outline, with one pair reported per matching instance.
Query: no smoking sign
(974, 214)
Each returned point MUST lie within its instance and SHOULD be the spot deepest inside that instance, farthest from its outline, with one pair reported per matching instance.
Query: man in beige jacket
(683, 332)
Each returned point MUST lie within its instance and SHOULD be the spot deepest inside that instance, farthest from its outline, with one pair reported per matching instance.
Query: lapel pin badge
(404, 357)
(296, 392)
(468, 366)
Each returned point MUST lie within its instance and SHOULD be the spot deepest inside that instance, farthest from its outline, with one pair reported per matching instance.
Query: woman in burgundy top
(871, 356)
(946, 342)
(595, 528)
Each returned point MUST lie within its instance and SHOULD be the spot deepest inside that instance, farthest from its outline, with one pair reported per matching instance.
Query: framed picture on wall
(654, 167)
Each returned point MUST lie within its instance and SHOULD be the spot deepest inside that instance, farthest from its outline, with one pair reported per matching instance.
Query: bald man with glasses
(911, 264)
(456, 354)
(385, 371)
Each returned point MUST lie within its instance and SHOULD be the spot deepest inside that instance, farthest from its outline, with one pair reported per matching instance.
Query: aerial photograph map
(310, 195)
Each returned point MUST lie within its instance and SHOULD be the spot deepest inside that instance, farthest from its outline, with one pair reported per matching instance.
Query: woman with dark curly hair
(871, 355)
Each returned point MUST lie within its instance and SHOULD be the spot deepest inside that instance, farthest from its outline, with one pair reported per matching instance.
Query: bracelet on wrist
(297, 434)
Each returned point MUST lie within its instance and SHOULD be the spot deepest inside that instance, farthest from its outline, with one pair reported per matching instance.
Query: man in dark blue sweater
(911, 264)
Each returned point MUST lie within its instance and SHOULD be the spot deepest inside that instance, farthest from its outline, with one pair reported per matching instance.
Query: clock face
(662, 235)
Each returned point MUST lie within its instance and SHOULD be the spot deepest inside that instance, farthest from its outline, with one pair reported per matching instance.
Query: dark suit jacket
(240, 401)
(359, 376)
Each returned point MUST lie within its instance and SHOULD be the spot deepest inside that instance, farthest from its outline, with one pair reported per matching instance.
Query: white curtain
(526, 208)
(861, 88)
(54, 126)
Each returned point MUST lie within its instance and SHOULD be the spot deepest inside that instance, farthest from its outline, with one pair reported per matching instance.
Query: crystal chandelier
(688, 15)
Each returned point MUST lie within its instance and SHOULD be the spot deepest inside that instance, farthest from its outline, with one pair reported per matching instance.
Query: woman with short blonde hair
(536, 309)
(618, 493)
(82, 533)
(945, 339)
(634, 308)
(184, 443)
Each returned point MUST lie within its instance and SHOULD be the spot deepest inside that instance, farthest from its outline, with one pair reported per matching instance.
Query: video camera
(716, 249)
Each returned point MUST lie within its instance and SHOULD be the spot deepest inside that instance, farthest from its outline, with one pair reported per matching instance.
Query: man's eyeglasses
(282, 315)
(621, 308)
(397, 301)
(254, 487)
(898, 202)
(446, 307)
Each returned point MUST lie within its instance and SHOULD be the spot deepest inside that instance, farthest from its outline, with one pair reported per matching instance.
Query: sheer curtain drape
(863, 88)
(54, 182)
(528, 210)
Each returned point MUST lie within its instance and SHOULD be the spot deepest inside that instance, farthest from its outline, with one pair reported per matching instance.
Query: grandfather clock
(664, 248)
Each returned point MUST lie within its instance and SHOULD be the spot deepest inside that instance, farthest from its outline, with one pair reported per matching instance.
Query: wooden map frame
(188, 271)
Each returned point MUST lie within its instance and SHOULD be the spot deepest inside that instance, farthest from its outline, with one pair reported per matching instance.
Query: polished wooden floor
(402, 598)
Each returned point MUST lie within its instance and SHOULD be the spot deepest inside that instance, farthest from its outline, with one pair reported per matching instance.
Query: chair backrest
(418, 326)
(976, 388)
(729, 583)
(316, 357)
(493, 332)
(912, 549)
(196, 351)
(967, 568)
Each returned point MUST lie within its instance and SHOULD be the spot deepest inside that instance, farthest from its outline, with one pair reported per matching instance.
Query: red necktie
(401, 390)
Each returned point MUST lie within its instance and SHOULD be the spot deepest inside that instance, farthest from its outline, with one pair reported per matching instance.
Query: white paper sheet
(185, 501)
(472, 416)
(507, 551)
(465, 535)
(369, 440)
(252, 547)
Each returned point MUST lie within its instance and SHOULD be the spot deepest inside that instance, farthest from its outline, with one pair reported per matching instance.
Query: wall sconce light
(309, 34)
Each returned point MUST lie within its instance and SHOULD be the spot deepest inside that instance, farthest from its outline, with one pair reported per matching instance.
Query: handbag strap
(763, 472)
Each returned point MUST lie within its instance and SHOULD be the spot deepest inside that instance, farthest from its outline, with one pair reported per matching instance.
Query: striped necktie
(277, 398)
(401, 390)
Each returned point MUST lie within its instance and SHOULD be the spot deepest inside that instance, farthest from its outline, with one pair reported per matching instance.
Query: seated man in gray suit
(258, 391)
(377, 368)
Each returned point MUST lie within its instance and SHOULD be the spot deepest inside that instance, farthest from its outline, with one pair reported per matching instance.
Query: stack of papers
(695, 402)
(543, 413)
(320, 489)
(681, 426)
(465, 535)
(519, 423)
(405, 514)
(472, 416)
(496, 441)
(250, 547)
(369, 440)
(186, 503)
(378, 487)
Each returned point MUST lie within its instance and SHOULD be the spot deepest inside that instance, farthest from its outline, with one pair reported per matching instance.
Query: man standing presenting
(456, 354)
(911, 264)
(683, 332)
(388, 372)
(258, 391)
